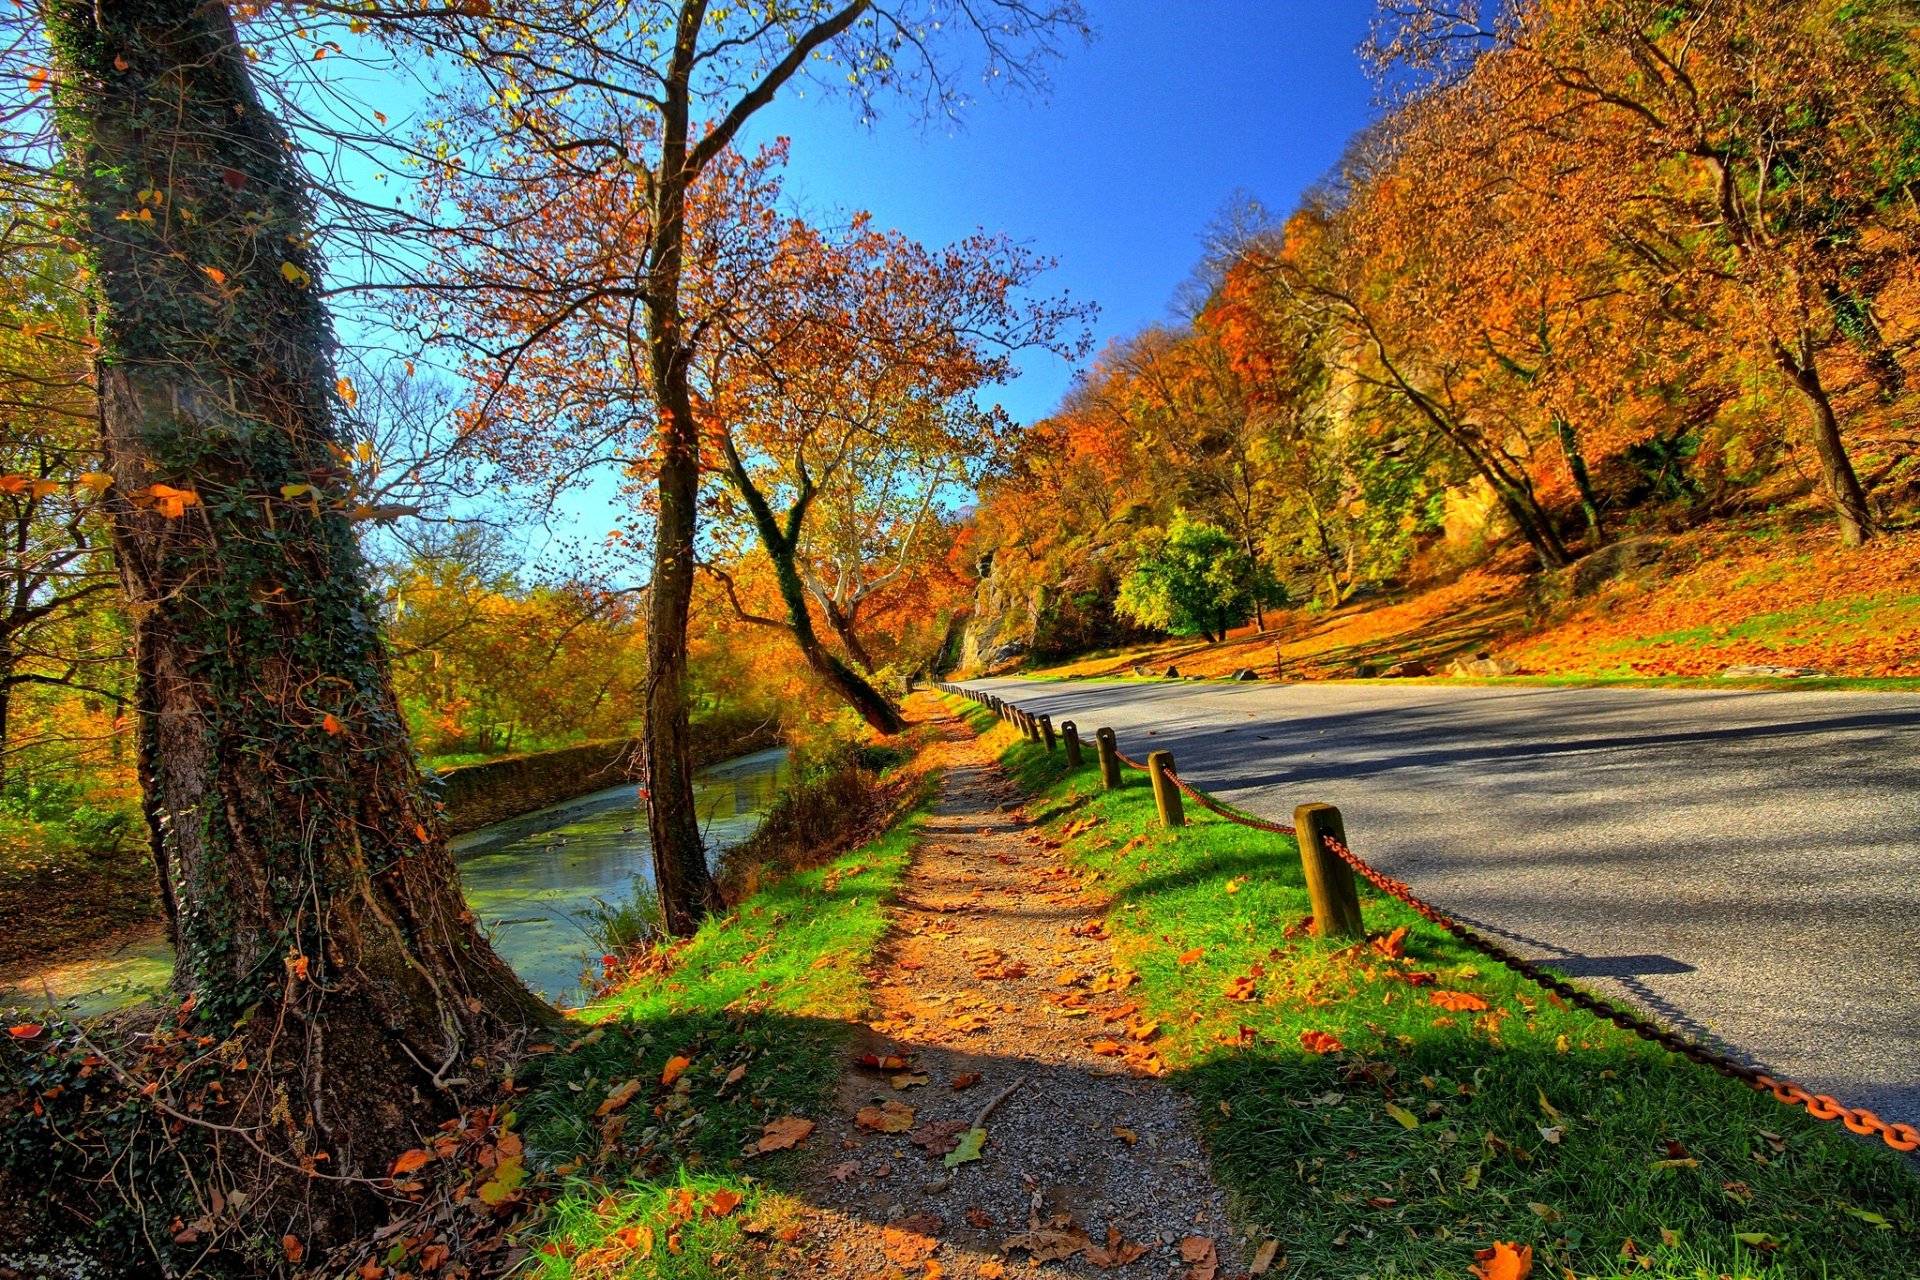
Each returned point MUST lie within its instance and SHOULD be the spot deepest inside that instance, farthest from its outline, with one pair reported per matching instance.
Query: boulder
(1244, 673)
(1404, 670)
(1365, 670)
(1764, 672)
(1171, 673)
(1482, 665)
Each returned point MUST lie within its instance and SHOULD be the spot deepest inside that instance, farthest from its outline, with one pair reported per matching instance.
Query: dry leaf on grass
(1504, 1262)
(1320, 1042)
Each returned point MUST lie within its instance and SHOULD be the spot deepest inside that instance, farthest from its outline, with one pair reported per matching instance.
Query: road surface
(1743, 864)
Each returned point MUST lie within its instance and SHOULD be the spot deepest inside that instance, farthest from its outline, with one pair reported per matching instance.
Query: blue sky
(1148, 133)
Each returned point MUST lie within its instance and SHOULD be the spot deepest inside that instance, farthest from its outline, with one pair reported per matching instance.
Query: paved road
(1744, 864)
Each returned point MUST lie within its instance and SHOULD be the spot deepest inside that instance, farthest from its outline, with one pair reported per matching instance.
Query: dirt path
(997, 975)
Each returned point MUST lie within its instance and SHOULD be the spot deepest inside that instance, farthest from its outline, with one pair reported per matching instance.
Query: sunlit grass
(759, 1004)
(1529, 1122)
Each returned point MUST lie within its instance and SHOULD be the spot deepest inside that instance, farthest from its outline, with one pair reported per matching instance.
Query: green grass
(769, 991)
(1313, 1155)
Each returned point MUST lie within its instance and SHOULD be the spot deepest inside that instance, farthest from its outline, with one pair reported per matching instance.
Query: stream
(534, 881)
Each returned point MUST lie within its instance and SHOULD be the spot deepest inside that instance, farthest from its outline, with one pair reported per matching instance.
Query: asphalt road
(1743, 864)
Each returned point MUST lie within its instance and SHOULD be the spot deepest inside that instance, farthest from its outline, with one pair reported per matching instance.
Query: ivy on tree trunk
(316, 909)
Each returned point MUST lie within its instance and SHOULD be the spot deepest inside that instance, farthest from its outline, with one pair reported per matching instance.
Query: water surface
(533, 880)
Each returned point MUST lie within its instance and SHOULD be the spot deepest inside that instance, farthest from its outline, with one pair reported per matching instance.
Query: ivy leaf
(294, 276)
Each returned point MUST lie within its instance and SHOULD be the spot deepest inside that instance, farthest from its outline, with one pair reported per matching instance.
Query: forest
(321, 325)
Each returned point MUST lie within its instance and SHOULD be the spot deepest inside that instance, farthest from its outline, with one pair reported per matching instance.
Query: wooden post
(1330, 886)
(1046, 731)
(1071, 736)
(1109, 759)
(1166, 796)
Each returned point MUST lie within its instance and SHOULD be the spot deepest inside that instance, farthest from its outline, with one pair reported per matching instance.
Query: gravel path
(1741, 863)
(998, 976)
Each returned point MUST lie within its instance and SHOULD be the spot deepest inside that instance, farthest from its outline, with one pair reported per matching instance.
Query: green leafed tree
(1191, 578)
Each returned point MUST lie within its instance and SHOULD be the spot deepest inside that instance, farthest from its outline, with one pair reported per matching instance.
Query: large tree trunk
(686, 886)
(1836, 468)
(317, 907)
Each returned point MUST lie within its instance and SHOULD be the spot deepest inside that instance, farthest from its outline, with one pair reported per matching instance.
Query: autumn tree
(1750, 149)
(660, 91)
(846, 388)
(316, 911)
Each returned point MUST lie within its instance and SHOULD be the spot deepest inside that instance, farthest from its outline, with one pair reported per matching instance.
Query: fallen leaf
(1263, 1258)
(1764, 1241)
(723, 1203)
(25, 1030)
(1320, 1042)
(675, 1066)
(1458, 1001)
(1125, 1135)
(888, 1062)
(1546, 1213)
(966, 1080)
(1117, 1252)
(908, 1240)
(1189, 957)
(409, 1161)
(291, 1246)
(1394, 945)
(1240, 989)
(907, 1080)
(888, 1117)
(1406, 1118)
(969, 1149)
(1504, 1262)
(781, 1134)
(619, 1098)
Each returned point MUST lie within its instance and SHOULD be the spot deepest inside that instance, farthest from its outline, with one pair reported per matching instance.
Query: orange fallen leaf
(676, 1065)
(619, 1098)
(1458, 1001)
(1188, 957)
(291, 1246)
(25, 1030)
(1320, 1042)
(1240, 989)
(723, 1203)
(781, 1134)
(409, 1161)
(330, 724)
(888, 1117)
(966, 1080)
(1394, 945)
(1503, 1262)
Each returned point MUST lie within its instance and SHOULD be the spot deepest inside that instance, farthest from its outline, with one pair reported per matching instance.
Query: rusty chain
(1821, 1106)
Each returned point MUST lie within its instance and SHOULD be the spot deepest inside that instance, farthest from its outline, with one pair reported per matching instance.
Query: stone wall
(479, 795)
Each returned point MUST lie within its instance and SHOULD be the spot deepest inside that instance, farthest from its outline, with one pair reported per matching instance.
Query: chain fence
(1899, 1136)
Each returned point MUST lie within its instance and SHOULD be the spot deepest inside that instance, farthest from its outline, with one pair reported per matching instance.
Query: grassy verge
(743, 1025)
(1430, 1132)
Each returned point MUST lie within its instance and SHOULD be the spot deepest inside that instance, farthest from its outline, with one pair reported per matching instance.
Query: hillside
(1689, 605)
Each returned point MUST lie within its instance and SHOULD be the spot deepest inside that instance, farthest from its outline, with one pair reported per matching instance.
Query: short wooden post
(1330, 886)
(1046, 731)
(1109, 759)
(1071, 736)
(1166, 796)
(1033, 727)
